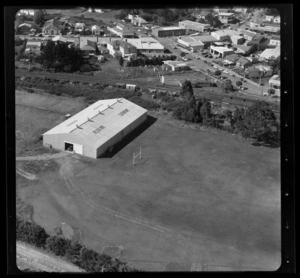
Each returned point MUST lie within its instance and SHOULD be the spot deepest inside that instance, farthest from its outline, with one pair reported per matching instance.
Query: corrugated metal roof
(100, 121)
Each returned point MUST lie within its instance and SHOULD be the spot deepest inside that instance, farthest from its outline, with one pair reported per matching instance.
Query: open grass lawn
(195, 201)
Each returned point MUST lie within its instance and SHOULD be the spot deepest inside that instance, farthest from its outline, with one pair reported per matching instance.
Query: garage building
(97, 128)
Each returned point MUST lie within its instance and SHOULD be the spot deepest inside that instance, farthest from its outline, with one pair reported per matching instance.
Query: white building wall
(118, 137)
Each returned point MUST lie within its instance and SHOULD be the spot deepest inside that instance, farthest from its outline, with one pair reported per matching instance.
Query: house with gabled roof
(51, 27)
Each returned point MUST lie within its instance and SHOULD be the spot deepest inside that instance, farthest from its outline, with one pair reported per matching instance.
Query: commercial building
(96, 129)
(194, 26)
(168, 31)
(147, 45)
(191, 43)
(207, 40)
(220, 51)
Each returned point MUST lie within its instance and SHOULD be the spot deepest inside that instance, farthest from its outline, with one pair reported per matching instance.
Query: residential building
(231, 59)
(168, 31)
(274, 41)
(240, 10)
(221, 51)
(191, 43)
(243, 63)
(245, 49)
(176, 65)
(201, 15)
(147, 45)
(270, 53)
(96, 30)
(194, 26)
(137, 20)
(120, 47)
(276, 19)
(80, 27)
(51, 27)
(248, 35)
(237, 39)
(265, 69)
(258, 41)
(96, 129)
(225, 17)
(274, 82)
(269, 18)
(33, 46)
(24, 28)
(26, 12)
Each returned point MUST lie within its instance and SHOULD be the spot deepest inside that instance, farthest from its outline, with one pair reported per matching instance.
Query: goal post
(135, 155)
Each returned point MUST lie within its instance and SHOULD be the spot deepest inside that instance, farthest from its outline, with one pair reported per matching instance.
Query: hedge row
(91, 92)
(73, 252)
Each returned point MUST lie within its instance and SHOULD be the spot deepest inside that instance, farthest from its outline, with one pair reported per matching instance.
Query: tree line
(71, 251)
(258, 122)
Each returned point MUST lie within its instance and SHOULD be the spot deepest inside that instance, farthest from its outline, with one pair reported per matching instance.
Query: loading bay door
(74, 147)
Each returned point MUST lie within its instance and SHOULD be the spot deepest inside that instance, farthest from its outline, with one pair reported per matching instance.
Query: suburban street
(196, 62)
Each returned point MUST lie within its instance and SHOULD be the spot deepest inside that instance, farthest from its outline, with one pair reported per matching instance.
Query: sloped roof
(100, 121)
(270, 52)
(60, 38)
(244, 48)
(51, 22)
(243, 61)
(87, 47)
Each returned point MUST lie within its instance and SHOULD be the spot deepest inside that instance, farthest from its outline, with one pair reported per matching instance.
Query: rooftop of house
(232, 57)
(248, 33)
(87, 48)
(244, 48)
(128, 48)
(243, 61)
(51, 22)
(275, 38)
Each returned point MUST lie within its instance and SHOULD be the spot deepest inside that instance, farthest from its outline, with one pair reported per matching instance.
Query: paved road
(36, 260)
(199, 64)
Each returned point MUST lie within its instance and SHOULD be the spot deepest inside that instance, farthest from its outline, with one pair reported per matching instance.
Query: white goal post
(134, 156)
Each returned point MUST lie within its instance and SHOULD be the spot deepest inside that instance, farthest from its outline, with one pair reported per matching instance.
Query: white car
(216, 67)
(225, 71)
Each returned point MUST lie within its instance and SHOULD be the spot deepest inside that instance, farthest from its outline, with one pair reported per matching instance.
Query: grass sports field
(197, 200)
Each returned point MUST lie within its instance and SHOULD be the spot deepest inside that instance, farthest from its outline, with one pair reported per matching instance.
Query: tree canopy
(39, 17)
(257, 122)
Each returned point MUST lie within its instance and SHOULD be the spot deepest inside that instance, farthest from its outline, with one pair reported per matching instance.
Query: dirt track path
(35, 260)
(43, 156)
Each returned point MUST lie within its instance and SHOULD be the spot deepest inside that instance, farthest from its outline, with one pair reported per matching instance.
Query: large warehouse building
(97, 128)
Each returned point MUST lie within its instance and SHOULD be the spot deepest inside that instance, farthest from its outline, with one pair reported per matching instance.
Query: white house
(79, 27)
(220, 51)
(274, 41)
(95, 30)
